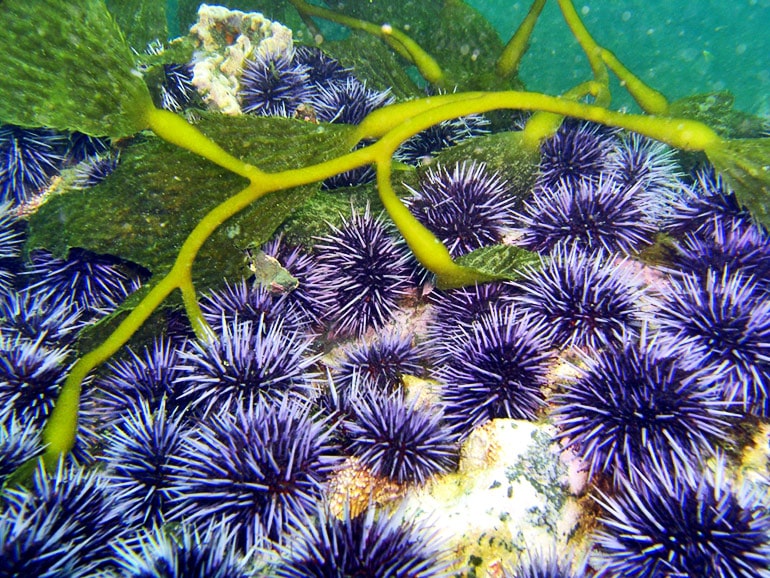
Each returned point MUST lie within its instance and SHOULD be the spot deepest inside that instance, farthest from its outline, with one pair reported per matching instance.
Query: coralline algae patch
(512, 494)
(225, 39)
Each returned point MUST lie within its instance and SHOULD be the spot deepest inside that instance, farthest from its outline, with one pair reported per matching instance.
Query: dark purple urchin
(548, 564)
(455, 310)
(380, 363)
(11, 241)
(176, 90)
(253, 466)
(182, 552)
(584, 299)
(578, 152)
(93, 170)
(495, 368)
(373, 544)
(139, 451)
(152, 378)
(591, 215)
(77, 498)
(29, 158)
(423, 146)
(82, 146)
(726, 321)
(636, 404)
(744, 249)
(19, 442)
(707, 203)
(348, 101)
(248, 301)
(95, 283)
(466, 207)
(670, 524)
(363, 273)
(322, 69)
(400, 440)
(306, 298)
(273, 84)
(246, 362)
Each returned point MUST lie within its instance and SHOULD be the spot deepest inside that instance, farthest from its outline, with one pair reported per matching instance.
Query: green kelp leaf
(745, 166)
(67, 66)
(716, 110)
(504, 262)
(145, 210)
(463, 42)
(502, 152)
(373, 62)
(142, 21)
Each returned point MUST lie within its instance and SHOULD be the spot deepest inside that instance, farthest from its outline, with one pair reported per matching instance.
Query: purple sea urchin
(151, 378)
(246, 362)
(29, 158)
(273, 85)
(19, 442)
(75, 497)
(400, 440)
(34, 317)
(347, 101)
(647, 164)
(635, 404)
(466, 208)
(423, 146)
(371, 544)
(380, 363)
(253, 466)
(322, 69)
(672, 524)
(93, 170)
(578, 152)
(176, 90)
(140, 449)
(495, 368)
(363, 273)
(727, 322)
(185, 552)
(591, 215)
(94, 282)
(547, 564)
(582, 298)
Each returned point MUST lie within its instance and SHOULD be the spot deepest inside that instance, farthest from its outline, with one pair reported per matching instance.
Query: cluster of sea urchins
(197, 457)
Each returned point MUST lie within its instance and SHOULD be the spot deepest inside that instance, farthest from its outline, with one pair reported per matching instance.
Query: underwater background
(281, 299)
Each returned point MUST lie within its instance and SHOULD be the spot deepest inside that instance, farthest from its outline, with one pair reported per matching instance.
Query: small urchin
(245, 361)
(139, 451)
(422, 147)
(674, 524)
(272, 84)
(635, 404)
(578, 152)
(182, 552)
(400, 440)
(19, 442)
(466, 206)
(726, 320)
(29, 159)
(363, 272)
(252, 465)
(150, 377)
(591, 215)
(585, 299)
(495, 368)
(347, 101)
(373, 544)
(381, 363)
(177, 90)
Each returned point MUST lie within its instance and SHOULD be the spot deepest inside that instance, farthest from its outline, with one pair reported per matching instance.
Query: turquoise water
(681, 48)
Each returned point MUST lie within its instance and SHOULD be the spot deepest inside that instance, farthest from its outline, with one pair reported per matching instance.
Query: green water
(680, 47)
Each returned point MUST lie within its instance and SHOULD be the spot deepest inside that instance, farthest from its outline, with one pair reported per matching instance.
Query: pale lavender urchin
(364, 273)
(467, 207)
